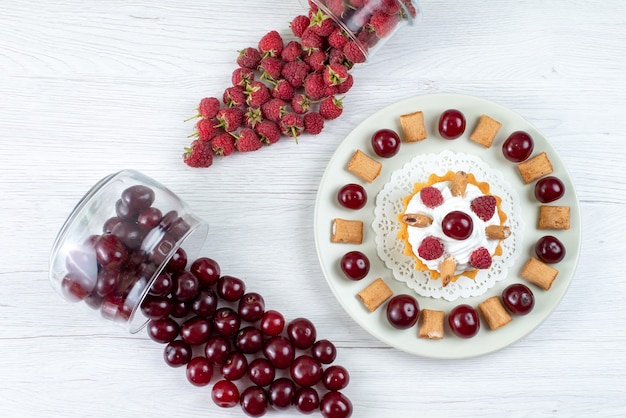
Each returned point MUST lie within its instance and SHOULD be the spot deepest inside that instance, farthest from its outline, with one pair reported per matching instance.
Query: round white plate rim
(345, 290)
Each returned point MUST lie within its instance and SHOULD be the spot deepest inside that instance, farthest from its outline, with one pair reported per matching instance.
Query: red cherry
(386, 143)
(451, 124)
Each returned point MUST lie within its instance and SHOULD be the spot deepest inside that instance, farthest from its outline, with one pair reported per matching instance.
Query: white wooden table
(88, 88)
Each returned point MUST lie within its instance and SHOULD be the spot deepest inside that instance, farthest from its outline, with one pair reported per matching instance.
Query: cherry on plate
(549, 249)
(451, 124)
(386, 143)
(518, 299)
(518, 147)
(463, 321)
(355, 265)
(549, 189)
(352, 196)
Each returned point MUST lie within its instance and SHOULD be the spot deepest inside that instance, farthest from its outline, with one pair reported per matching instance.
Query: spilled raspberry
(430, 248)
(484, 207)
(199, 154)
(480, 258)
(431, 196)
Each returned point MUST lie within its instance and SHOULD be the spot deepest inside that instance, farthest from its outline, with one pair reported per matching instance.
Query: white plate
(327, 208)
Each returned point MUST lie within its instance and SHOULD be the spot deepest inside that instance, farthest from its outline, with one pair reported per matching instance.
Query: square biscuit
(485, 131)
(494, 312)
(413, 127)
(346, 231)
(554, 217)
(539, 273)
(535, 168)
(431, 325)
(375, 294)
(364, 166)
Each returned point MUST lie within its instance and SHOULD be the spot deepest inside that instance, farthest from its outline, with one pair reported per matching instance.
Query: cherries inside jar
(119, 240)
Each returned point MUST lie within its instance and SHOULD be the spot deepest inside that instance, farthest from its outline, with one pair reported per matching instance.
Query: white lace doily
(386, 225)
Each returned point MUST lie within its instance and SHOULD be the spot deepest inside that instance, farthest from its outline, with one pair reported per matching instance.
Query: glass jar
(117, 241)
(369, 23)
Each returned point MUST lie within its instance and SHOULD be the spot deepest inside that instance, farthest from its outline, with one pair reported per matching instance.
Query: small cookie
(375, 294)
(539, 273)
(459, 184)
(447, 268)
(494, 313)
(431, 325)
(413, 127)
(486, 130)
(535, 168)
(347, 231)
(554, 217)
(364, 167)
(497, 232)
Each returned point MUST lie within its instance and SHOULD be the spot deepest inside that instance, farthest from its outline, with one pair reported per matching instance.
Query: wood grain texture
(88, 88)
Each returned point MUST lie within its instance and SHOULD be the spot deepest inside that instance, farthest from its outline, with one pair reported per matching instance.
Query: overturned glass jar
(123, 235)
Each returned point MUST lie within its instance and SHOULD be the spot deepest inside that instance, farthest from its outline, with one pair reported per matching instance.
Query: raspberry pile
(211, 324)
(289, 87)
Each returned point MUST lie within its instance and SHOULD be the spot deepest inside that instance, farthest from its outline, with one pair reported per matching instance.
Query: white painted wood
(87, 88)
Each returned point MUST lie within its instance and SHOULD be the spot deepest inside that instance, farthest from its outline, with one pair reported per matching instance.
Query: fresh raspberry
(271, 44)
(330, 91)
(336, 7)
(356, 4)
(344, 87)
(223, 144)
(268, 132)
(313, 123)
(208, 108)
(300, 104)
(283, 90)
(270, 68)
(480, 258)
(234, 96)
(257, 93)
(311, 41)
(252, 116)
(316, 60)
(248, 140)
(292, 51)
(338, 38)
(198, 154)
(335, 74)
(331, 108)
(430, 248)
(249, 58)
(322, 24)
(230, 119)
(242, 77)
(206, 129)
(354, 53)
(314, 86)
(431, 196)
(299, 24)
(291, 124)
(336, 56)
(295, 72)
(383, 24)
(274, 109)
(484, 207)
(390, 6)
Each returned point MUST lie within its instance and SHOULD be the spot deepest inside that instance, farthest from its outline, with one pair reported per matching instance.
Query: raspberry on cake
(452, 226)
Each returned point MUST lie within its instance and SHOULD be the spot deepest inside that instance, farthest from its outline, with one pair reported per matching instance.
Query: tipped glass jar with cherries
(122, 235)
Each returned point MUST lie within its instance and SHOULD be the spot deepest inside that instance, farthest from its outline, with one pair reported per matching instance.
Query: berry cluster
(287, 87)
(210, 322)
